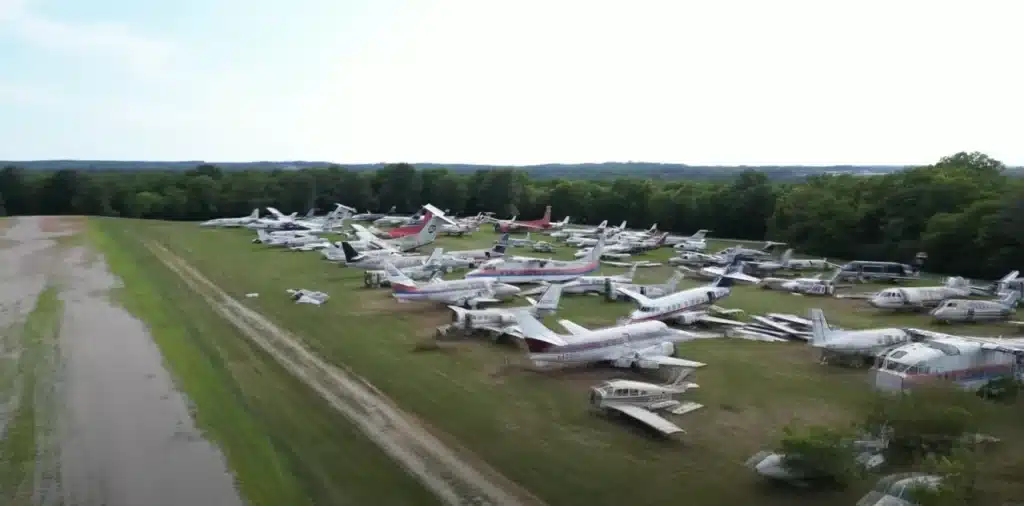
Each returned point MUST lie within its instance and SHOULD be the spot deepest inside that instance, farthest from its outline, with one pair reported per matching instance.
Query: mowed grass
(537, 428)
(285, 446)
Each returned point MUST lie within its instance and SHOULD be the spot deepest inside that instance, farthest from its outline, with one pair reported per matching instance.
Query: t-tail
(1001, 285)
(1010, 299)
(632, 271)
(428, 233)
(732, 272)
(435, 257)
(820, 330)
(595, 253)
(603, 225)
(673, 282)
(786, 256)
(546, 219)
(698, 235)
(653, 229)
(548, 303)
(255, 214)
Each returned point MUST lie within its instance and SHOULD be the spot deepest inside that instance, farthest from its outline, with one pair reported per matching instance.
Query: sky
(723, 82)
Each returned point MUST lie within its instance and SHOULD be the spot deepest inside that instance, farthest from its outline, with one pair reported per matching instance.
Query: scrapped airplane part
(773, 465)
(303, 296)
(638, 400)
(968, 361)
(643, 263)
(252, 295)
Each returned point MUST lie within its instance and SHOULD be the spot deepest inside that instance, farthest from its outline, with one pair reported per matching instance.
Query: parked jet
(569, 232)
(748, 253)
(693, 258)
(648, 345)
(623, 249)
(920, 297)
(532, 270)
(695, 242)
(505, 320)
(970, 362)
(425, 236)
(481, 255)
(688, 306)
(428, 269)
(970, 310)
(469, 293)
(638, 400)
(597, 284)
(232, 222)
(651, 291)
(813, 285)
(414, 226)
(512, 225)
(519, 242)
(1009, 282)
(857, 343)
(358, 260)
(368, 216)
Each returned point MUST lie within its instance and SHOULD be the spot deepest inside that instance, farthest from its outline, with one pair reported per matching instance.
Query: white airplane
(519, 242)
(898, 489)
(970, 310)
(624, 248)
(647, 345)
(857, 343)
(425, 236)
(687, 306)
(426, 271)
(695, 242)
(597, 284)
(476, 255)
(569, 232)
(638, 400)
(359, 260)
(609, 237)
(813, 285)
(920, 297)
(749, 253)
(970, 362)
(469, 293)
(533, 270)
(232, 222)
(505, 320)
(1008, 283)
(652, 291)
(693, 258)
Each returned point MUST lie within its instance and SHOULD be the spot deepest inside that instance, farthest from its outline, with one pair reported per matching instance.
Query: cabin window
(620, 391)
(634, 392)
(646, 309)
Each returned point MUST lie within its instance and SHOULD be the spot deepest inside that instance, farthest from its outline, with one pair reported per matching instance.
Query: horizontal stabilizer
(573, 328)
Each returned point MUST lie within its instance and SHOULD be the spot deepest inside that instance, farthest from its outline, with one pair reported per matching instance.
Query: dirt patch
(455, 476)
(61, 224)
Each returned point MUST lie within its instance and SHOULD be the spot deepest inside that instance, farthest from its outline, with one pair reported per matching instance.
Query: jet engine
(688, 317)
(665, 349)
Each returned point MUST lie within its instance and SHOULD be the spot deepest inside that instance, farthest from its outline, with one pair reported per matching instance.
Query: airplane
(638, 400)
(469, 293)
(519, 242)
(416, 225)
(368, 216)
(1009, 282)
(852, 343)
(920, 297)
(609, 234)
(898, 489)
(652, 291)
(646, 345)
(748, 253)
(813, 285)
(695, 242)
(463, 226)
(569, 232)
(505, 320)
(870, 454)
(532, 270)
(623, 249)
(787, 262)
(686, 306)
(597, 284)
(475, 255)
(969, 310)
(232, 222)
(693, 258)
(358, 260)
(431, 268)
(542, 247)
(970, 362)
(512, 225)
(425, 236)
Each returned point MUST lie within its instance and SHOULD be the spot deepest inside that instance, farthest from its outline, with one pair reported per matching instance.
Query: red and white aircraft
(542, 224)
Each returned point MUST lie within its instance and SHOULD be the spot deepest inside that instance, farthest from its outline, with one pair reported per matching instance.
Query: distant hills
(606, 170)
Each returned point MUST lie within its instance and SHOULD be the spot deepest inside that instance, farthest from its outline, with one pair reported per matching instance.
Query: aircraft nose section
(508, 289)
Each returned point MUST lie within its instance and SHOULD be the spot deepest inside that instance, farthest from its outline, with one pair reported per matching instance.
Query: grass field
(535, 428)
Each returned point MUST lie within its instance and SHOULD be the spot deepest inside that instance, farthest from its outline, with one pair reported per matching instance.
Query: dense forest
(593, 171)
(964, 210)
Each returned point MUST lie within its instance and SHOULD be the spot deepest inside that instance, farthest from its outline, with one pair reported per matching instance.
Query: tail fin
(956, 282)
(653, 229)
(255, 214)
(547, 215)
(1010, 298)
(549, 300)
(819, 327)
(428, 233)
(351, 255)
(698, 235)
(835, 275)
(731, 272)
(499, 249)
(632, 271)
(622, 226)
(673, 282)
(663, 238)
(595, 252)
(786, 256)
(262, 235)
(460, 314)
(399, 281)
(565, 221)
(1001, 284)
(602, 225)
(435, 257)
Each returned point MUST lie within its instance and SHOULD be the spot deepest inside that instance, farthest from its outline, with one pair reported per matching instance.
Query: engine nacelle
(665, 349)
(688, 317)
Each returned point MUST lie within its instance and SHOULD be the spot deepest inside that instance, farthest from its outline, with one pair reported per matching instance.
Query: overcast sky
(512, 82)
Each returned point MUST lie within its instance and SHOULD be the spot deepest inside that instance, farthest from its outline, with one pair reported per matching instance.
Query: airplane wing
(646, 417)
(720, 321)
(639, 298)
(674, 362)
(532, 327)
(362, 233)
(573, 328)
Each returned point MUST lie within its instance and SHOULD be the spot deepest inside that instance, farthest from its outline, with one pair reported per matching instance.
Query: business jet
(469, 293)
(687, 306)
(866, 343)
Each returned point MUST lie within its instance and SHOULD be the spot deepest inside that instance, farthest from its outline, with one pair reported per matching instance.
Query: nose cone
(473, 273)
(507, 289)
(876, 302)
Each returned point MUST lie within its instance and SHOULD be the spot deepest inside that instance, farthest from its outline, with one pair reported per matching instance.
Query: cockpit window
(646, 309)
(898, 354)
(951, 304)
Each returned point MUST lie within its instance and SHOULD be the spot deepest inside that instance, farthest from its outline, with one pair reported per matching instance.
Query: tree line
(965, 211)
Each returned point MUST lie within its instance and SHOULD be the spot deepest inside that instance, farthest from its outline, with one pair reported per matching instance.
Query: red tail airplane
(513, 225)
(410, 229)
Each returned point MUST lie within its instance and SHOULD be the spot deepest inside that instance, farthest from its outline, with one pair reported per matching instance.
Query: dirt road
(111, 429)
(455, 476)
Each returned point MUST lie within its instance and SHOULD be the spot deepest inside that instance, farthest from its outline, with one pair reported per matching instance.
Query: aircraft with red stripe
(534, 270)
(542, 224)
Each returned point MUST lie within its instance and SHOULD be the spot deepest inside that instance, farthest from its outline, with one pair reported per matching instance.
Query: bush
(820, 453)
(929, 420)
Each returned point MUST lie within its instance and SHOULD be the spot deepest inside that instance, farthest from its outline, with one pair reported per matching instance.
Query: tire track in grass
(454, 479)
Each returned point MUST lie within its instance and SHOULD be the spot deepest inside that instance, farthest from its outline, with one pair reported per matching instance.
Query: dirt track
(455, 477)
(110, 429)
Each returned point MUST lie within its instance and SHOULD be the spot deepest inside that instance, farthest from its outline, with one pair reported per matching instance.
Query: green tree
(820, 453)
